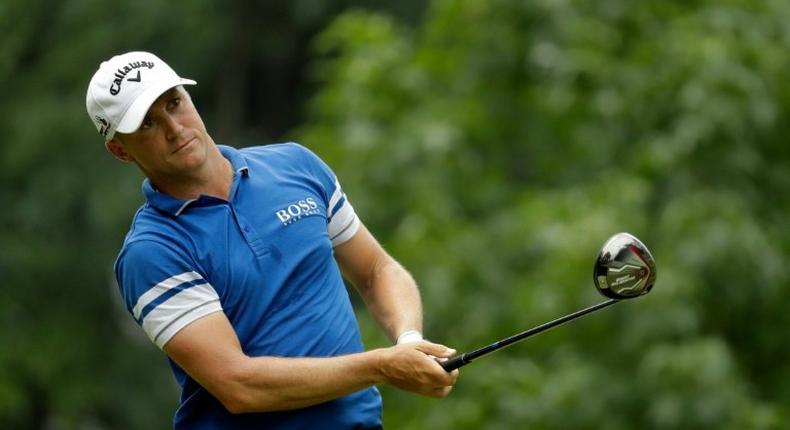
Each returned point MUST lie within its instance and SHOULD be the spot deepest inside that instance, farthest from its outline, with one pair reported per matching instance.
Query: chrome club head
(624, 268)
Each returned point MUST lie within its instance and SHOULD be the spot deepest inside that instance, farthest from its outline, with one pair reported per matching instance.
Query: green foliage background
(492, 146)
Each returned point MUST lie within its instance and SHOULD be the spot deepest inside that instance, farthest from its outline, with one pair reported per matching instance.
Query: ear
(115, 147)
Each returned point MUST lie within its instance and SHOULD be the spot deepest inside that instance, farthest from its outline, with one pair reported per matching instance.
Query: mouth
(184, 145)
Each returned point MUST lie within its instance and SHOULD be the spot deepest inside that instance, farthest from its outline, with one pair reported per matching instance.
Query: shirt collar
(173, 205)
(236, 159)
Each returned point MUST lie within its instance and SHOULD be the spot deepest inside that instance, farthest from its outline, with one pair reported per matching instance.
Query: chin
(193, 161)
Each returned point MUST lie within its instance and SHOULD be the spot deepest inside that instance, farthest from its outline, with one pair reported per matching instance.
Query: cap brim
(134, 116)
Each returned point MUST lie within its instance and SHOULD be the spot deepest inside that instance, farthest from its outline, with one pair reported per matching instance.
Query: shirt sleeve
(162, 289)
(342, 220)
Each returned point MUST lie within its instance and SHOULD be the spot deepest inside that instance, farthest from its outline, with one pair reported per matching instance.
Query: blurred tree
(495, 147)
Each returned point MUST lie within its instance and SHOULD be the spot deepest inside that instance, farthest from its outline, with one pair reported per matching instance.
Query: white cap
(123, 89)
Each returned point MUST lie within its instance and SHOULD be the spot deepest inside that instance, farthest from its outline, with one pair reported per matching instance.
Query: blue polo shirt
(265, 259)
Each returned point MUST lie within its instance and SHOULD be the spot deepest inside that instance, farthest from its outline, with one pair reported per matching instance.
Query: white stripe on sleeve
(161, 288)
(344, 225)
(172, 304)
(184, 320)
(335, 198)
(175, 313)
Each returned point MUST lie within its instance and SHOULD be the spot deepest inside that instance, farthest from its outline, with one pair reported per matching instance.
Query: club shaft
(466, 358)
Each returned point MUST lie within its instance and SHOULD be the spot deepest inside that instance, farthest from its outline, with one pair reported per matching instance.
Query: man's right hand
(413, 367)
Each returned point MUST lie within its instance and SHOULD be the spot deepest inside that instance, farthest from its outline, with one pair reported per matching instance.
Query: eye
(175, 102)
(147, 123)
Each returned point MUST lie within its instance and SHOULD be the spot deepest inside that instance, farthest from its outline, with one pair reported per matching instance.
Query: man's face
(172, 141)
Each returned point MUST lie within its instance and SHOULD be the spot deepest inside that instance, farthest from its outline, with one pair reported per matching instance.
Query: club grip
(454, 362)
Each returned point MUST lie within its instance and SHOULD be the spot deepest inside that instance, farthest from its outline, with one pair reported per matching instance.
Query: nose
(173, 127)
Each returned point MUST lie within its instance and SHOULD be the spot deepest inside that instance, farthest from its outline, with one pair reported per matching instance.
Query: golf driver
(623, 269)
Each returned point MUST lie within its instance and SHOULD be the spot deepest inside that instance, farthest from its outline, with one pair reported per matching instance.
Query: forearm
(260, 384)
(209, 351)
(393, 298)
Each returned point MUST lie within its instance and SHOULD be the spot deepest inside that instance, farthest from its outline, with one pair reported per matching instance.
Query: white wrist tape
(409, 336)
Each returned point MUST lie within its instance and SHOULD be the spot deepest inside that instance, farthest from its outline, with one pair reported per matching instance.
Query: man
(233, 268)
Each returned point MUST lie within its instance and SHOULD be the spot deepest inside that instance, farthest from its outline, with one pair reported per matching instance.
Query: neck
(213, 178)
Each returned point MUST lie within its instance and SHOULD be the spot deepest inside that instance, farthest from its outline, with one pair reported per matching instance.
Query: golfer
(234, 267)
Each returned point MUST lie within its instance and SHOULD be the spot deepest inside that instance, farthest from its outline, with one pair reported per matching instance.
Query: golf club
(623, 269)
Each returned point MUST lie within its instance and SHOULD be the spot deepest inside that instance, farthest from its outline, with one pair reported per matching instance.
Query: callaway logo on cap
(123, 89)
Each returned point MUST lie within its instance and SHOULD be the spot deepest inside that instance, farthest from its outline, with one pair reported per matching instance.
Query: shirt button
(247, 228)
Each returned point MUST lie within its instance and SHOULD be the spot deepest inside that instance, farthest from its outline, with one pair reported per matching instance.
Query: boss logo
(297, 210)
